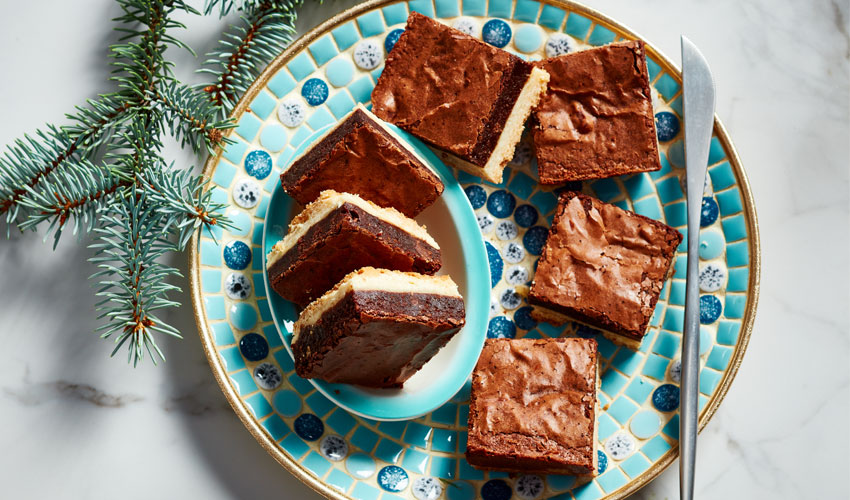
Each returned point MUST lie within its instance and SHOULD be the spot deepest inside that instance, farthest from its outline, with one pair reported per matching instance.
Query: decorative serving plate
(317, 81)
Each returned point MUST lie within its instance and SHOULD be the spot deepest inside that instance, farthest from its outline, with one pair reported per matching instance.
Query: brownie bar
(602, 266)
(361, 156)
(596, 118)
(467, 99)
(532, 407)
(376, 328)
(341, 232)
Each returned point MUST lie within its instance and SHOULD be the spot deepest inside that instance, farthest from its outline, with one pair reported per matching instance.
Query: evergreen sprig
(103, 173)
(266, 28)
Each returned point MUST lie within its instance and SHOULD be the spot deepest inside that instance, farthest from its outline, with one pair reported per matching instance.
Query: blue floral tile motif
(393, 478)
(427, 488)
(496, 489)
(558, 44)
(501, 203)
(237, 255)
(368, 54)
(523, 319)
(667, 126)
(529, 487)
(666, 397)
(535, 239)
(309, 427)
(254, 347)
(391, 39)
(496, 264)
(267, 376)
(709, 212)
(477, 196)
(258, 164)
(496, 32)
(526, 215)
(314, 91)
(602, 461)
(501, 327)
(710, 308)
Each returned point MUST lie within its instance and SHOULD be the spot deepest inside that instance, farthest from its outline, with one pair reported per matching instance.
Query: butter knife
(698, 96)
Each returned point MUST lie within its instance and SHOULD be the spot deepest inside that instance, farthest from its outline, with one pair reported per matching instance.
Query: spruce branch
(104, 172)
(77, 193)
(131, 279)
(184, 197)
(191, 118)
(27, 162)
(266, 29)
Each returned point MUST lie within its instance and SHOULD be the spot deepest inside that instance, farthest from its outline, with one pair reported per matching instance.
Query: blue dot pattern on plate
(258, 164)
(526, 215)
(528, 38)
(602, 461)
(267, 376)
(709, 309)
(243, 316)
(666, 126)
(314, 91)
(477, 196)
(254, 347)
(496, 264)
(666, 397)
(496, 32)
(237, 255)
(535, 239)
(309, 427)
(501, 203)
(391, 39)
(709, 212)
(393, 478)
(523, 319)
(529, 487)
(501, 327)
(558, 44)
(496, 489)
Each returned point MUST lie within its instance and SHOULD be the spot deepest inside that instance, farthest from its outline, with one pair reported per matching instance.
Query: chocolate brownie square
(602, 266)
(596, 118)
(467, 99)
(532, 407)
(339, 233)
(361, 155)
(376, 328)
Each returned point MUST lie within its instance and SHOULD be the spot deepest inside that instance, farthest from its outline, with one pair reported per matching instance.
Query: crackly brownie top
(545, 389)
(604, 261)
(596, 118)
(444, 87)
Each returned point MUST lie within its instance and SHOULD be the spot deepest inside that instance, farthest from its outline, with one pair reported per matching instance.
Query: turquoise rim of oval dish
(477, 301)
(416, 454)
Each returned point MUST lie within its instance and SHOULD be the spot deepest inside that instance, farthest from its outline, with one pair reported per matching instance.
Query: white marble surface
(76, 424)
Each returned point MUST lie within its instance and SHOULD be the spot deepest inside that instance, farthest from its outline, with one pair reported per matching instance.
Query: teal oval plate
(323, 440)
(464, 259)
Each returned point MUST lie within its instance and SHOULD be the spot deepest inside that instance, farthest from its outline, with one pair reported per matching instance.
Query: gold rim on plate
(262, 436)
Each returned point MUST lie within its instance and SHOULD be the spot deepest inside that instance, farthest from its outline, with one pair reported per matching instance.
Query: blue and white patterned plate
(341, 455)
(450, 220)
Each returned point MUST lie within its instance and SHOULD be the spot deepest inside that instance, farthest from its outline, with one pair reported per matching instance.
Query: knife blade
(698, 102)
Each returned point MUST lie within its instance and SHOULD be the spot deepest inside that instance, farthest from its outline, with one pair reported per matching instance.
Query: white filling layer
(329, 201)
(503, 152)
(371, 279)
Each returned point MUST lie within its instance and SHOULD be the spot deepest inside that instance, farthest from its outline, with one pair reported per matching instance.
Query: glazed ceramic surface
(342, 455)
(450, 221)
